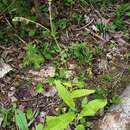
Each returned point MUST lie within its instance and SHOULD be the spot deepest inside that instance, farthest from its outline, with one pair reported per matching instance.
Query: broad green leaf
(39, 127)
(21, 120)
(64, 94)
(59, 122)
(81, 92)
(92, 107)
(80, 127)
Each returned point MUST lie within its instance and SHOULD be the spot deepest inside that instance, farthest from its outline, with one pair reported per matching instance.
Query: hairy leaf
(59, 122)
(92, 107)
(21, 120)
(65, 94)
(81, 92)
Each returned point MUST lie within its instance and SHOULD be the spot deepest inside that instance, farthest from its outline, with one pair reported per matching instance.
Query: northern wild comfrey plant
(88, 109)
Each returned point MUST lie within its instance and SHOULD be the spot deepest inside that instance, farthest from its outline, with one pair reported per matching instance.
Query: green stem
(51, 24)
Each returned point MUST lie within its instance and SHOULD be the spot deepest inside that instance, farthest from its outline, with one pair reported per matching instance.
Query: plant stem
(51, 24)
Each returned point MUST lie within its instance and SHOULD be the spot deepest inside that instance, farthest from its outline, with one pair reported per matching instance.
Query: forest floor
(88, 48)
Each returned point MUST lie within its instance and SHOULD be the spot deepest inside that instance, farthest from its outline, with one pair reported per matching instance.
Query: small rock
(4, 68)
(50, 92)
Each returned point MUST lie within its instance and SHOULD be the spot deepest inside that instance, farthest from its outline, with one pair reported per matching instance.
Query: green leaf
(29, 113)
(59, 122)
(92, 107)
(1, 120)
(39, 88)
(81, 92)
(67, 84)
(116, 100)
(80, 127)
(39, 127)
(32, 33)
(80, 84)
(64, 94)
(33, 56)
(84, 102)
(21, 120)
(62, 23)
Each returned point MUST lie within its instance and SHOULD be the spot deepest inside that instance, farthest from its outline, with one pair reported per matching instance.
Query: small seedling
(83, 53)
(107, 78)
(121, 12)
(39, 88)
(29, 113)
(62, 23)
(33, 57)
(100, 93)
(116, 100)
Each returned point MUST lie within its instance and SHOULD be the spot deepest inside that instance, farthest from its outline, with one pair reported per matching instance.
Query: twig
(95, 35)
(35, 114)
(78, 29)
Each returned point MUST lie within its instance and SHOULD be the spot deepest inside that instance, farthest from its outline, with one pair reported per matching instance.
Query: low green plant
(100, 93)
(118, 20)
(98, 3)
(81, 52)
(76, 17)
(116, 100)
(89, 108)
(62, 23)
(19, 7)
(21, 120)
(48, 50)
(102, 27)
(33, 57)
(69, 2)
(39, 88)
(107, 78)
(99, 51)
(6, 117)
(29, 113)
